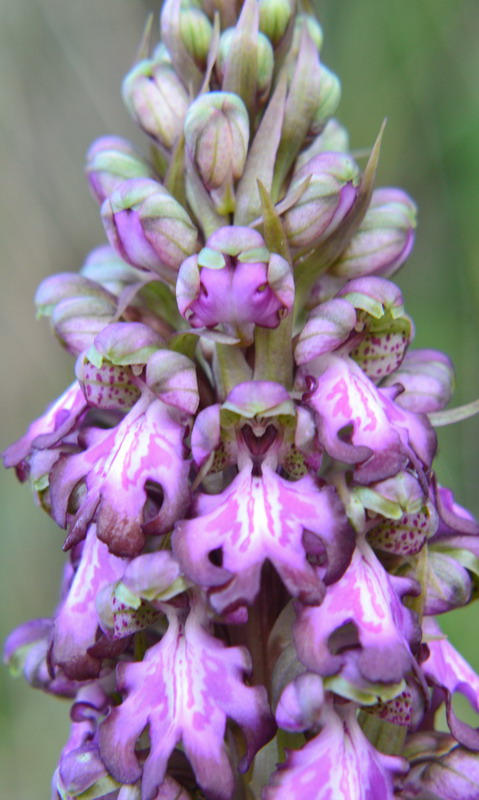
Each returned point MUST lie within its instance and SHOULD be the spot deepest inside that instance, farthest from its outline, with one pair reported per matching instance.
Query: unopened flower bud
(236, 282)
(104, 266)
(333, 137)
(77, 321)
(314, 29)
(274, 18)
(328, 99)
(428, 380)
(110, 161)
(126, 344)
(384, 239)
(331, 192)
(172, 377)
(217, 135)
(196, 31)
(148, 227)
(264, 63)
(157, 100)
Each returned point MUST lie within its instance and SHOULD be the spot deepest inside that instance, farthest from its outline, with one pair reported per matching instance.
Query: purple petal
(145, 450)
(77, 620)
(184, 690)
(383, 437)
(264, 517)
(362, 619)
(59, 419)
(338, 763)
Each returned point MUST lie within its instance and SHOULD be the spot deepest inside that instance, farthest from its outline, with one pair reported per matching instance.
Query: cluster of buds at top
(258, 545)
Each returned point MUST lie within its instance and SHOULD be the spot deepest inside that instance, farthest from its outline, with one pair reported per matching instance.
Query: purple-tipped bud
(157, 100)
(264, 61)
(428, 380)
(333, 137)
(106, 268)
(172, 377)
(384, 239)
(127, 343)
(78, 307)
(217, 135)
(110, 161)
(196, 31)
(148, 227)
(237, 282)
(328, 99)
(328, 198)
(274, 18)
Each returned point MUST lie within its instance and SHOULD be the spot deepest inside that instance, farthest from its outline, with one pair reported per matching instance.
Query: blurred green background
(61, 64)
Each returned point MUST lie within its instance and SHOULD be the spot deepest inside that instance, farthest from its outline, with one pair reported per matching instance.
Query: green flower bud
(274, 17)
(157, 100)
(314, 29)
(265, 61)
(217, 135)
(196, 31)
(328, 99)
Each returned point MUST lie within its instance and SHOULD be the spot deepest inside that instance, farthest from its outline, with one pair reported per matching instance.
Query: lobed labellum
(338, 763)
(48, 430)
(145, 449)
(77, 621)
(184, 690)
(361, 620)
(264, 517)
(383, 438)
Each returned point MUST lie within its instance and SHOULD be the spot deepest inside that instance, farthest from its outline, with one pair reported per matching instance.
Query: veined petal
(145, 450)
(265, 517)
(338, 763)
(184, 690)
(448, 670)
(361, 425)
(361, 619)
(77, 620)
(46, 431)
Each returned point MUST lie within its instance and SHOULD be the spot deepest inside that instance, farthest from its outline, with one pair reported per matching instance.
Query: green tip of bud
(264, 60)
(196, 32)
(314, 29)
(274, 18)
(328, 99)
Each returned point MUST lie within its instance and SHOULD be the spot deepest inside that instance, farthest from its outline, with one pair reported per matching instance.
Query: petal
(264, 517)
(184, 689)
(338, 763)
(145, 450)
(77, 620)
(361, 619)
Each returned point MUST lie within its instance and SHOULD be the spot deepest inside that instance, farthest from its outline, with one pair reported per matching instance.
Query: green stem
(451, 415)
(273, 353)
(232, 367)
(383, 735)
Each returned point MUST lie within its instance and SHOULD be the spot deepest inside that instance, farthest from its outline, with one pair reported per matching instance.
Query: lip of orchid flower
(338, 762)
(208, 687)
(447, 670)
(145, 449)
(49, 429)
(76, 621)
(383, 438)
(280, 513)
(361, 619)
